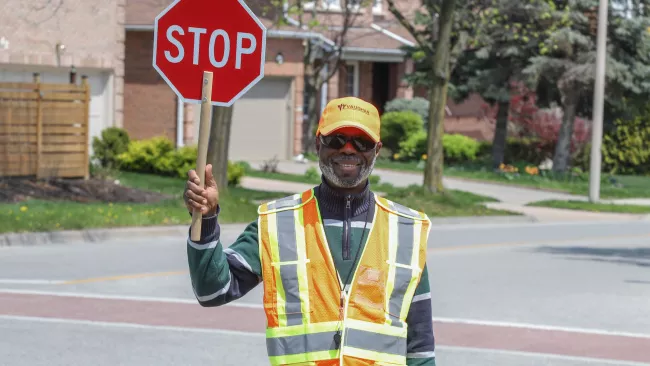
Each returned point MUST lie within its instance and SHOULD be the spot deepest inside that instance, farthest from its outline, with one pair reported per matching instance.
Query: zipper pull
(347, 202)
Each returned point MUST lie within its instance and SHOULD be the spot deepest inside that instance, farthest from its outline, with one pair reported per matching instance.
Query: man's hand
(205, 199)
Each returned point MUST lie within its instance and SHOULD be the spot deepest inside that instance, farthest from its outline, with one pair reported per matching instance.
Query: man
(344, 274)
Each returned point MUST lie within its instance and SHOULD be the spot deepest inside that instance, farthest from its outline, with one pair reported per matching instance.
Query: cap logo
(349, 106)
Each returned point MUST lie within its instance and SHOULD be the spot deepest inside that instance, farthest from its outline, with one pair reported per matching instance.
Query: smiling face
(347, 165)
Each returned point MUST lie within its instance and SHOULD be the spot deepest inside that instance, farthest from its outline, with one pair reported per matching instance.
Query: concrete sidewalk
(513, 199)
(502, 192)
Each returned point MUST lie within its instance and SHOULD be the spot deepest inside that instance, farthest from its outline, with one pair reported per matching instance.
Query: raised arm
(219, 275)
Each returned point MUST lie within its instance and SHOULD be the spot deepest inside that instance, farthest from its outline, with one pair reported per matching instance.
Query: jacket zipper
(346, 229)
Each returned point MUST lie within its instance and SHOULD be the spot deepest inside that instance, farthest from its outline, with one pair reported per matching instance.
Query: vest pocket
(370, 288)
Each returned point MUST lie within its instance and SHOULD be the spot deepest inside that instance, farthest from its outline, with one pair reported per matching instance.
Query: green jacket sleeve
(220, 275)
(420, 340)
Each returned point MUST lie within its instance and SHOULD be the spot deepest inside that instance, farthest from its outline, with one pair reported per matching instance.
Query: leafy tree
(508, 34)
(567, 62)
(322, 53)
(440, 38)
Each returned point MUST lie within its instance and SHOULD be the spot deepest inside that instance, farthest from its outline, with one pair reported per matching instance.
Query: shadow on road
(630, 256)
(638, 282)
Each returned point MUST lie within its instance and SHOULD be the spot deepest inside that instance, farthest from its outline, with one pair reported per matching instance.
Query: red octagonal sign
(224, 37)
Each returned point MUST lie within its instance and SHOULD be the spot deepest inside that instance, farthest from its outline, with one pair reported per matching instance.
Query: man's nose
(348, 148)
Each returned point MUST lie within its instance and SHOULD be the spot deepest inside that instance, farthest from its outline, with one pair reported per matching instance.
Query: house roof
(367, 37)
(390, 36)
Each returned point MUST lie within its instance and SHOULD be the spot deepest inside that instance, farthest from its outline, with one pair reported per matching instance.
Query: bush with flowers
(533, 131)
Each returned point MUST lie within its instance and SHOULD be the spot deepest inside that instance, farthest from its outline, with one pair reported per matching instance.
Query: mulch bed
(13, 190)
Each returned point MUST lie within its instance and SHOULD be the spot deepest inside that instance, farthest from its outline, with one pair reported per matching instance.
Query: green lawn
(594, 207)
(620, 186)
(451, 204)
(238, 205)
(284, 176)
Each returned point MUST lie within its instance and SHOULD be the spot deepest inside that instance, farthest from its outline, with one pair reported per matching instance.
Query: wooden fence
(44, 129)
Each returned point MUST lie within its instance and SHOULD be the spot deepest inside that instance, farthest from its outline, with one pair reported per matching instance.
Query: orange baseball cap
(350, 112)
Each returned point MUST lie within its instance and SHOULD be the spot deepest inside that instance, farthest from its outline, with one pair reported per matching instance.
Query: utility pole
(599, 96)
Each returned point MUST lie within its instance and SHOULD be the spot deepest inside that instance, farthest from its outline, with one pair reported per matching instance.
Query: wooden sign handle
(204, 135)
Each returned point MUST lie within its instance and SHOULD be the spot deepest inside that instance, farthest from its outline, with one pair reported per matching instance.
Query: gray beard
(328, 172)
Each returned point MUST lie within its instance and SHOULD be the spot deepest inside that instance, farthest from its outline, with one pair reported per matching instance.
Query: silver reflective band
(299, 344)
(375, 342)
(403, 209)
(287, 247)
(403, 276)
(431, 354)
(285, 202)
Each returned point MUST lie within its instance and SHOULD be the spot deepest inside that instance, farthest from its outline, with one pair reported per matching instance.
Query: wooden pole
(204, 138)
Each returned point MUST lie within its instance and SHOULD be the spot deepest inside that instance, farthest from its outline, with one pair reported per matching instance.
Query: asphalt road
(566, 294)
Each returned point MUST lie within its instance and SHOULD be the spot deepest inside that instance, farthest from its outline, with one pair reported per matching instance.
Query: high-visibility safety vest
(310, 319)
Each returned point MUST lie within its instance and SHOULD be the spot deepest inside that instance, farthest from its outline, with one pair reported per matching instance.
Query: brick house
(51, 38)
(267, 121)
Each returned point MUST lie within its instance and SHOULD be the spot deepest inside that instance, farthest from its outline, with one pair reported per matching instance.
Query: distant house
(57, 38)
(267, 121)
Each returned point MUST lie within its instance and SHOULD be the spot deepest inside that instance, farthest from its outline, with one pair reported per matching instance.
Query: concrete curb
(89, 235)
(104, 235)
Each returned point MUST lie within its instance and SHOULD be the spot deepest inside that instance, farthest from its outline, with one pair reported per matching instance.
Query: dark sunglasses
(336, 142)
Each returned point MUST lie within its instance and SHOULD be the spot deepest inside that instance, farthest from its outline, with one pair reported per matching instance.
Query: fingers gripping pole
(204, 134)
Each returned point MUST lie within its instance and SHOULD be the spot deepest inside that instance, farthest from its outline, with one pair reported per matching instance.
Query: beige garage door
(262, 120)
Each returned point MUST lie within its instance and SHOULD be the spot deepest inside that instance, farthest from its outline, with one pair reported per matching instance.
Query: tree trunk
(438, 99)
(219, 144)
(311, 117)
(500, 135)
(562, 157)
(310, 93)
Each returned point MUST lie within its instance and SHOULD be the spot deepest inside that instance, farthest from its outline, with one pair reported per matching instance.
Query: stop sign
(223, 37)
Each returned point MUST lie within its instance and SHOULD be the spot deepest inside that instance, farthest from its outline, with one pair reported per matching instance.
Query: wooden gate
(44, 129)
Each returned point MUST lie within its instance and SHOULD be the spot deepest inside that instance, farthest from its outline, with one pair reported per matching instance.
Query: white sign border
(198, 101)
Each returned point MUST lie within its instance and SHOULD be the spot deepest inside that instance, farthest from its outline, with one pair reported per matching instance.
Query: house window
(332, 4)
(352, 79)
(377, 6)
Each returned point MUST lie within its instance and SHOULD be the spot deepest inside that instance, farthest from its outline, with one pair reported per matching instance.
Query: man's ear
(317, 145)
(378, 147)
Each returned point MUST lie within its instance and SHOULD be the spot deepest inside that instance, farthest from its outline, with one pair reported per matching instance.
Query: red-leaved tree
(542, 125)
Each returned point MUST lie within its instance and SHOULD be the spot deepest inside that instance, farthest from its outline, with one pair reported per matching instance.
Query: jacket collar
(333, 201)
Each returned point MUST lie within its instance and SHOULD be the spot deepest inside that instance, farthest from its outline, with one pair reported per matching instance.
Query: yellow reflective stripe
(406, 266)
(301, 270)
(376, 328)
(303, 357)
(302, 329)
(392, 257)
(377, 356)
(275, 258)
(415, 265)
(278, 264)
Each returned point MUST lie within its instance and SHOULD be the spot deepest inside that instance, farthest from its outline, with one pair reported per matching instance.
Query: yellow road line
(521, 243)
(123, 277)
